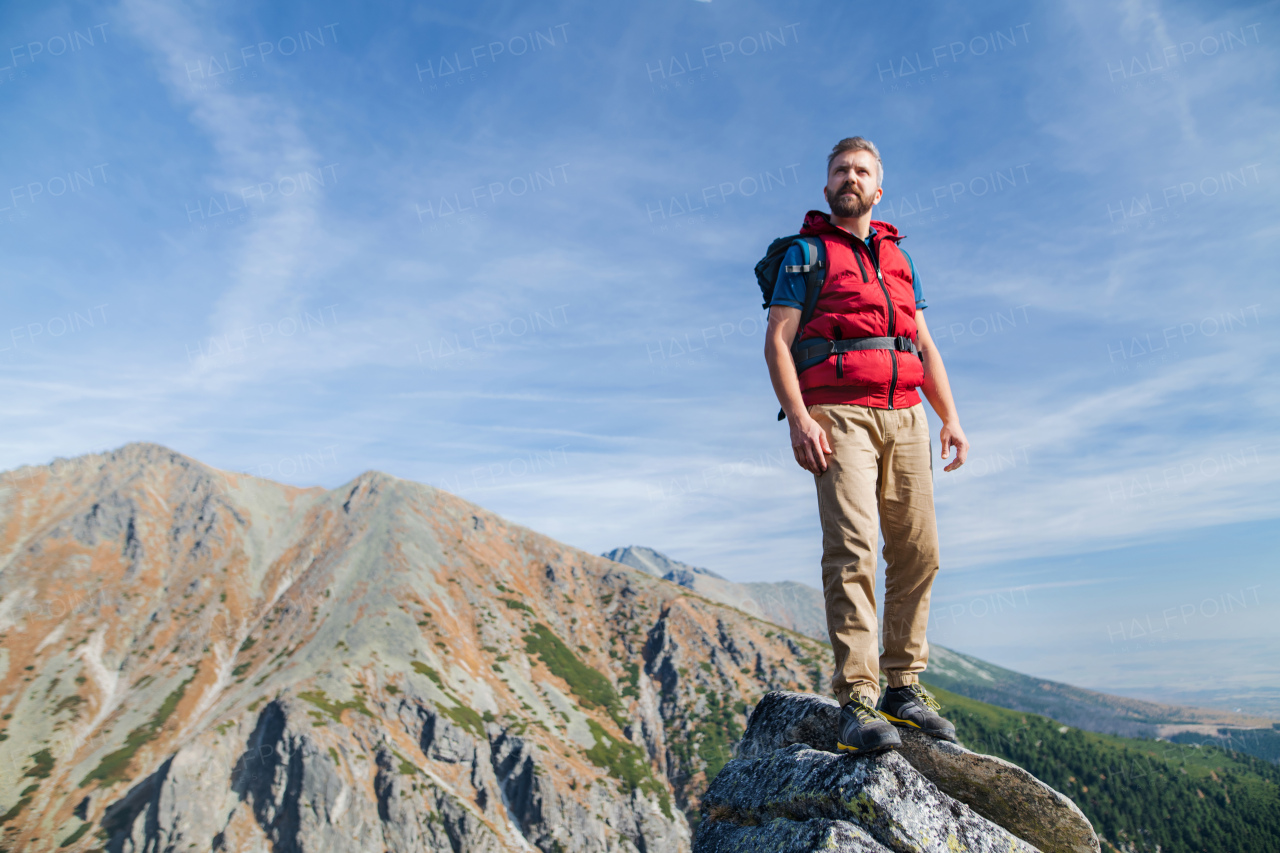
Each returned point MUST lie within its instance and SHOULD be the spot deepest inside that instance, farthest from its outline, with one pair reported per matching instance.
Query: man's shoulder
(797, 248)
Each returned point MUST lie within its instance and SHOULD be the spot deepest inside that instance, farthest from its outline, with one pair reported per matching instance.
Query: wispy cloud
(557, 350)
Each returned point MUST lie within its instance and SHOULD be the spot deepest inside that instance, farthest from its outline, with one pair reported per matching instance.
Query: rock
(186, 798)
(994, 788)
(781, 719)
(782, 836)
(882, 794)
(1004, 793)
(297, 794)
(419, 816)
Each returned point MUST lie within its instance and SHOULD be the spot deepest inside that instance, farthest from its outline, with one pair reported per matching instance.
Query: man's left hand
(953, 436)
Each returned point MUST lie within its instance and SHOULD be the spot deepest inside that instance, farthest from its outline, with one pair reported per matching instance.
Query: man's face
(852, 184)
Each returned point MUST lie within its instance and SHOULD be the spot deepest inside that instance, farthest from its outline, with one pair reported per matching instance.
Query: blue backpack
(815, 274)
(814, 269)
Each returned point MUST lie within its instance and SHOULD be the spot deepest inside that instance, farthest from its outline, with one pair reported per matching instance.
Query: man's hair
(856, 143)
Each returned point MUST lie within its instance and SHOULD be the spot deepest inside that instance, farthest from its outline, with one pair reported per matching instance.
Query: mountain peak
(654, 562)
(176, 638)
(790, 604)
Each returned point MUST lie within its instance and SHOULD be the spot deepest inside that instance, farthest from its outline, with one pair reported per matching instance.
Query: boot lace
(865, 713)
(925, 697)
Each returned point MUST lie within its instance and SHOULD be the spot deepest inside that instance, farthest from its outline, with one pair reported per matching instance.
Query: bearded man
(847, 384)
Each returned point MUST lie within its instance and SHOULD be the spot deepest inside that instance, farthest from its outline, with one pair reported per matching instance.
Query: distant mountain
(1100, 712)
(1259, 699)
(658, 564)
(800, 607)
(790, 604)
(193, 659)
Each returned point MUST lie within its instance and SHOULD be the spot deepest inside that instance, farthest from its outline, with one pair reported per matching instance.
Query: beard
(848, 207)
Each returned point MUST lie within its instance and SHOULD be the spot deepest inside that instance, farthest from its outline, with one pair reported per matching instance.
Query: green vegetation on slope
(423, 669)
(467, 718)
(43, 765)
(406, 767)
(332, 709)
(1263, 743)
(1142, 796)
(75, 836)
(40, 769)
(623, 760)
(462, 714)
(633, 680)
(114, 767)
(591, 688)
(516, 605)
(627, 763)
(713, 736)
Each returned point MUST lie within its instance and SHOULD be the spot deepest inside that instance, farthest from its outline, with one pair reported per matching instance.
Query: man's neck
(859, 226)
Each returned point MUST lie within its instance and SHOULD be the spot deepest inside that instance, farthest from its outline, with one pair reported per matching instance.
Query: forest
(1142, 796)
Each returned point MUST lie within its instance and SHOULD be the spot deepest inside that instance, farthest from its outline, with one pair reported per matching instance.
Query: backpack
(815, 274)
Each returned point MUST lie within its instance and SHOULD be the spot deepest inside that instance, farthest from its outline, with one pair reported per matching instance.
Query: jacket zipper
(893, 355)
(858, 257)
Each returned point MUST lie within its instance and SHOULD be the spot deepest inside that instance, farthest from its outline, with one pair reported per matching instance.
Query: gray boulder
(881, 794)
(781, 834)
(1004, 793)
(782, 719)
(999, 791)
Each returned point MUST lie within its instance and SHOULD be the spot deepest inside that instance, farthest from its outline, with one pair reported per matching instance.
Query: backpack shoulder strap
(815, 275)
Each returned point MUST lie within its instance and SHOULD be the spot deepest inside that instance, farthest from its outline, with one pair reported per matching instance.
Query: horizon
(955, 614)
(506, 251)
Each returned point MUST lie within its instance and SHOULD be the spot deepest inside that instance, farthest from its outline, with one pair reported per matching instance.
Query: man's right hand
(809, 443)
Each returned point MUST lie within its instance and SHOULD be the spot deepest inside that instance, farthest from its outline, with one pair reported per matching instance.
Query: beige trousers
(881, 468)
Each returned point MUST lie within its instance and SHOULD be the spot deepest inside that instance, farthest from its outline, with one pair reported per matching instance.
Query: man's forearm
(783, 323)
(808, 442)
(936, 388)
(786, 382)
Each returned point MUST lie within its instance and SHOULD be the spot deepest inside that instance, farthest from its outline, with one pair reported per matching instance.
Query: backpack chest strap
(820, 347)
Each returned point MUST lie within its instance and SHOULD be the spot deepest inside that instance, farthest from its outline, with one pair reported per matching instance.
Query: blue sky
(507, 250)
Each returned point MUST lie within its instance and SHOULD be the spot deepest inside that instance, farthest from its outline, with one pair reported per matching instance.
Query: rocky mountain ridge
(790, 604)
(191, 657)
(800, 607)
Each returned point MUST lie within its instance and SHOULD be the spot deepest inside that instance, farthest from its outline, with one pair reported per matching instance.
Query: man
(849, 395)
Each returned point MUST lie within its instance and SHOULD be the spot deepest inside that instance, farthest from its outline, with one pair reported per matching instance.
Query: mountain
(1141, 796)
(793, 605)
(197, 659)
(800, 607)
(1100, 712)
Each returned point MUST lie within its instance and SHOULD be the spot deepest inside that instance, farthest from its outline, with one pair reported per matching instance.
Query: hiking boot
(913, 706)
(864, 730)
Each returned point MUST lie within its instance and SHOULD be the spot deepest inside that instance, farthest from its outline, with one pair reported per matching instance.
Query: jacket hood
(817, 222)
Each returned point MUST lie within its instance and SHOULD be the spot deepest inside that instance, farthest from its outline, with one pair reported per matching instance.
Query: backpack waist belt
(820, 347)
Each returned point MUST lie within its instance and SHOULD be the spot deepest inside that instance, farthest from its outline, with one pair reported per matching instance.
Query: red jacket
(855, 303)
